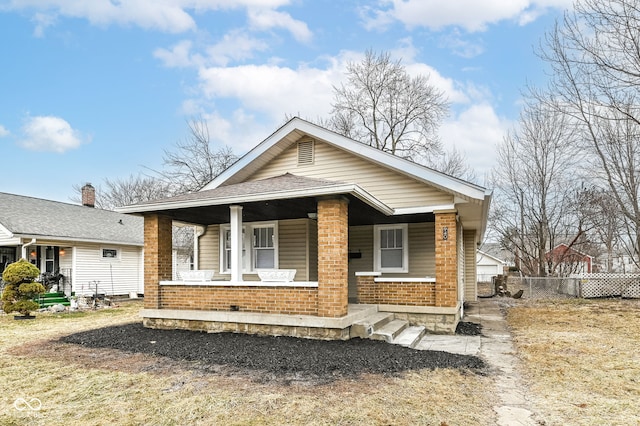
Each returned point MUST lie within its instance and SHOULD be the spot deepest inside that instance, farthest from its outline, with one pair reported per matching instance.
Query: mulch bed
(272, 358)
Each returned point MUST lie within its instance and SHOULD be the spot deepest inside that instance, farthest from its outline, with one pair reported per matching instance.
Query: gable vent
(305, 152)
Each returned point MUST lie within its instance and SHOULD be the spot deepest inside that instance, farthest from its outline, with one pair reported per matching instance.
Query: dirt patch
(262, 358)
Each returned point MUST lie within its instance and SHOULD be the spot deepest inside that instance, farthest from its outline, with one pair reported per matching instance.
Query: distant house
(565, 260)
(312, 232)
(488, 266)
(91, 248)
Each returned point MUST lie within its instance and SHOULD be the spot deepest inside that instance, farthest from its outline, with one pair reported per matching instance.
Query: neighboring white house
(488, 266)
(93, 249)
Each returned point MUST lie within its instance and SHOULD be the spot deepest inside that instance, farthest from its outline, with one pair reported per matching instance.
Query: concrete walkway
(496, 347)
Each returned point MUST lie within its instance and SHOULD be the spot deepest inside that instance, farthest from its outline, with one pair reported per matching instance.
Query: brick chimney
(88, 195)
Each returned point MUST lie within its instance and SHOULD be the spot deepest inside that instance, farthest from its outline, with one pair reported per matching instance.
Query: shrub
(20, 289)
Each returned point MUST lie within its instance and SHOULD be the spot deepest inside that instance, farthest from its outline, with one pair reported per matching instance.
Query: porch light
(61, 252)
(33, 253)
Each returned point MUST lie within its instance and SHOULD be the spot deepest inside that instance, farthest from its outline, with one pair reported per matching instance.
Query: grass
(581, 359)
(81, 386)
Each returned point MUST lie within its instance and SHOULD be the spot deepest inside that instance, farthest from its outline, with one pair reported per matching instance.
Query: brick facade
(395, 293)
(270, 300)
(157, 257)
(333, 266)
(446, 259)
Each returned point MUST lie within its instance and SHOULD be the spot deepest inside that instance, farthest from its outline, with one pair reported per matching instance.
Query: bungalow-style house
(564, 260)
(311, 232)
(93, 249)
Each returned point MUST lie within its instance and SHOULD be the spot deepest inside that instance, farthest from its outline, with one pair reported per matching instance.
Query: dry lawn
(581, 359)
(82, 386)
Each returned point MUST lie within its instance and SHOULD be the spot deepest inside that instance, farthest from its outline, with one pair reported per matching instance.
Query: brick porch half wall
(333, 257)
(157, 257)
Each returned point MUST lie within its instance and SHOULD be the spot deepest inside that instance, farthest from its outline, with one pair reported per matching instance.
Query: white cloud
(472, 15)
(236, 45)
(3, 131)
(48, 133)
(173, 16)
(178, 56)
(476, 131)
(266, 19)
(273, 90)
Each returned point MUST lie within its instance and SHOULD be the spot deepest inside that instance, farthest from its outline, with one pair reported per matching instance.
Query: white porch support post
(236, 243)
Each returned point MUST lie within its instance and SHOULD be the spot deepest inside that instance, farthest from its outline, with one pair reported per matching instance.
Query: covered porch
(333, 229)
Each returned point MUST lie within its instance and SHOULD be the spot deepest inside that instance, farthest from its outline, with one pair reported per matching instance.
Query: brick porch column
(157, 257)
(446, 259)
(333, 257)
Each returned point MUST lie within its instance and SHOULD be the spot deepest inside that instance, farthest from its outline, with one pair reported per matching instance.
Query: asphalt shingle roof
(286, 182)
(38, 218)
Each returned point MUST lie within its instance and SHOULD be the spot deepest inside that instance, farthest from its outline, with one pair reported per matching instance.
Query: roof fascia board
(432, 177)
(352, 189)
(423, 209)
(78, 240)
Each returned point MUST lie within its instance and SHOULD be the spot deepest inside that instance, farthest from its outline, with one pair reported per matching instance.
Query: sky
(99, 89)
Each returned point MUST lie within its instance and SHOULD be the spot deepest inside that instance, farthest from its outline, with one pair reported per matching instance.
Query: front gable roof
(471, 201)
(28, 217)
(296, 128)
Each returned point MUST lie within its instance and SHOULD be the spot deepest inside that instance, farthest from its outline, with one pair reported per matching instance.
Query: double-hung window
(263, 247)
(391, 252)
(261, 241)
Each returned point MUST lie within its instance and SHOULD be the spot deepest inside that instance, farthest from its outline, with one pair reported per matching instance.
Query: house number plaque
(445, 233)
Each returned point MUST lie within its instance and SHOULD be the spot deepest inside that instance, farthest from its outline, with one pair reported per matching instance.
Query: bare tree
(194, 162)
(453, 163)
(594, 54)
(535, 186)
(603, 218)
(383, 106)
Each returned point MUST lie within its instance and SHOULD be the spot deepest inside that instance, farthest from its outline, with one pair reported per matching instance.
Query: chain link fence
(577, 286)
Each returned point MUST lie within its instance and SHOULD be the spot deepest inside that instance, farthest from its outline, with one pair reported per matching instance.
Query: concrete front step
(390, 330)
(367, 326)
(410, 336)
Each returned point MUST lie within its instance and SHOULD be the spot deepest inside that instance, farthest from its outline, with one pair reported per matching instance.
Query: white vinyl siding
(119, 276)
(470, 277)
(209, 250)
(295, 248)
(393, 188)
(460, 259)
(422, 250)
(361, 242)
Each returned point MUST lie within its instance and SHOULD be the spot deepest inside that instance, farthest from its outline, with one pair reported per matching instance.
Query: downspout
(24, 248)
(198, 231)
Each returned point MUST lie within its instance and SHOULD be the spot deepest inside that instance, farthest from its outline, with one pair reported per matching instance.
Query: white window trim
(248, 227)
(377, 257)
(110, 259)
